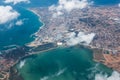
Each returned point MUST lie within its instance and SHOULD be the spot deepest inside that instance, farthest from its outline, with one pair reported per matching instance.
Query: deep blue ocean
(19, 35)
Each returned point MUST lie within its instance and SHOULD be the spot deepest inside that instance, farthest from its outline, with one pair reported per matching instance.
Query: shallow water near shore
(72, 63)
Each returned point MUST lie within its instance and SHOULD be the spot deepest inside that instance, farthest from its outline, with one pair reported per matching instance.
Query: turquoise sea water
(72, 63)
(14, 36)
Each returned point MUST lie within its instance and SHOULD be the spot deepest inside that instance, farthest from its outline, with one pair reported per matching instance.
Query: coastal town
(102, 22)
(96, 27)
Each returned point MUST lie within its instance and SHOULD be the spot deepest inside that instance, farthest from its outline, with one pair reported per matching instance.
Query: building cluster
(103, 21)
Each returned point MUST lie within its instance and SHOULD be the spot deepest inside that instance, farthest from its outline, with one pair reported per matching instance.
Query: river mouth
(64, 63)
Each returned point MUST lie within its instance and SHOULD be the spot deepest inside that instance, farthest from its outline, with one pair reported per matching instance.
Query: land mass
(102, 23)
(9, 58)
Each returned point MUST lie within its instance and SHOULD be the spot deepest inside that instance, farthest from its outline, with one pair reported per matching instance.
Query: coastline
(14, 69)
(34, 53)
(93, 43)
(43, 24)
(35, 44)
(91, 46)
(32, 44)
(45, 51)
(6, 74)
(107, 58)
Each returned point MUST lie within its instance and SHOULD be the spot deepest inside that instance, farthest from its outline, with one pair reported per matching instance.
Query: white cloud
(115, 76)
(68, 5)
(119, 5)
(7, 14)
(81, 37)
(19, 23)
(16, 1)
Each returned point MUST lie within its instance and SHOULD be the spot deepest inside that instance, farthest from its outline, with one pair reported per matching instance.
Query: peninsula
(95, 27)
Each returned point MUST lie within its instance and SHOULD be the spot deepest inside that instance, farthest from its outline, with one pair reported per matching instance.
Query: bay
(19, 34)
(71, 63)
